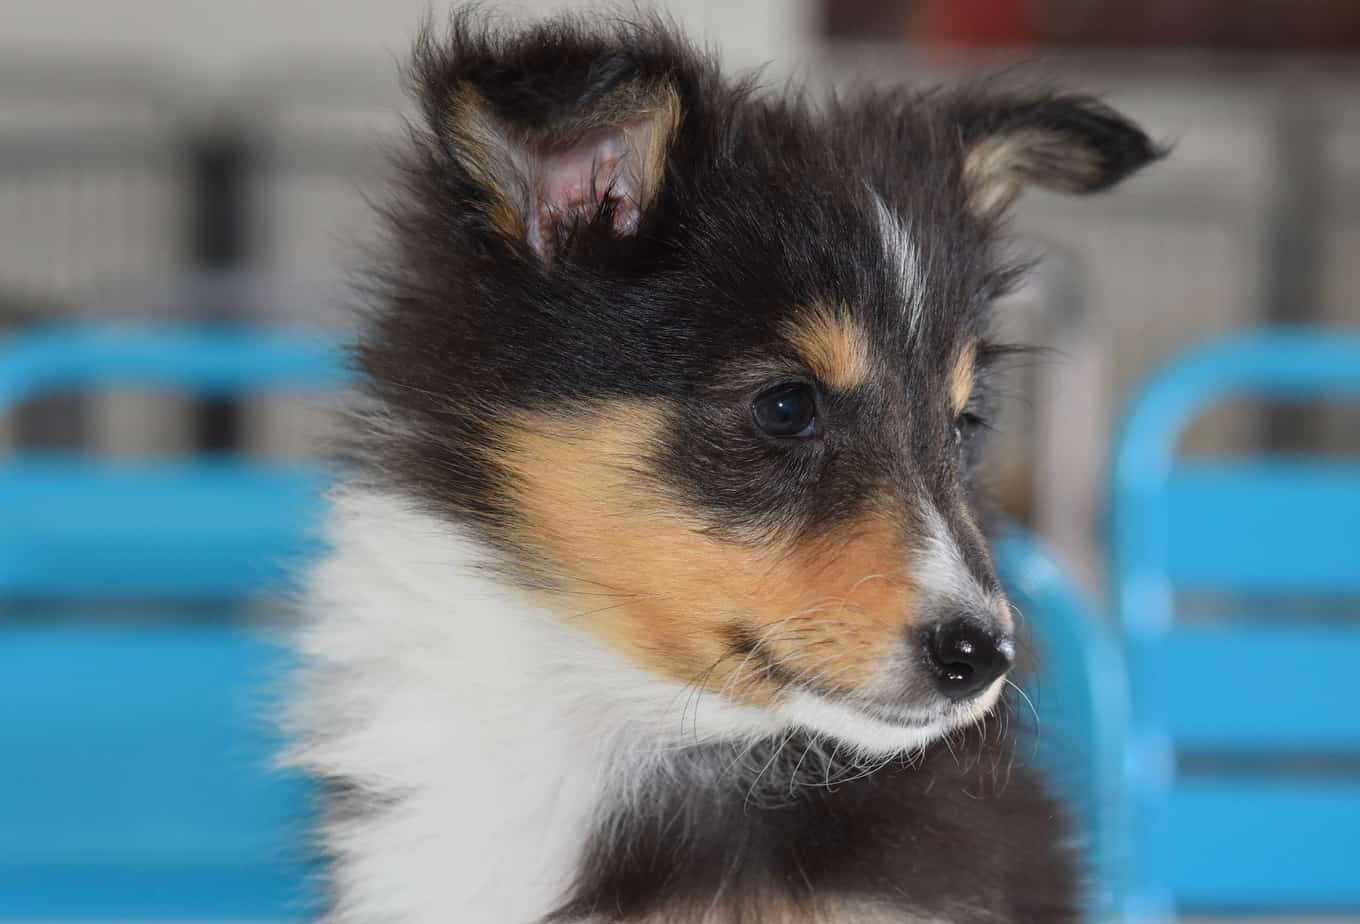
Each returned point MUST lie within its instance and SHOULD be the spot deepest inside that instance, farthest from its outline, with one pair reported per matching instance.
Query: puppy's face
(709, 368)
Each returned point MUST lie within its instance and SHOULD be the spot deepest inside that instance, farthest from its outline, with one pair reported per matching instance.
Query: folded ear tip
(1127, 151)
(1064, 142)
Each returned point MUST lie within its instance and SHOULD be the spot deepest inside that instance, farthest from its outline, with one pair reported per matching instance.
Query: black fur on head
(760, 206)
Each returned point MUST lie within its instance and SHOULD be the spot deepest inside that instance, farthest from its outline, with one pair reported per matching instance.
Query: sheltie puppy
(660, 593)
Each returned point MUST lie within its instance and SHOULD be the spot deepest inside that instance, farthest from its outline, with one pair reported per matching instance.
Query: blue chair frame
(135, 774)
(1242, 830)
(75, 552)
(136, 780)
(1079, 699)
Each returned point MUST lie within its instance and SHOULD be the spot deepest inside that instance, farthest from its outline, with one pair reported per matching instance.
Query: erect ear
(1071, 144)
(558, 129)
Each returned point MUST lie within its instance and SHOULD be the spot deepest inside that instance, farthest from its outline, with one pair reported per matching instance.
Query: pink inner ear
(573, 184)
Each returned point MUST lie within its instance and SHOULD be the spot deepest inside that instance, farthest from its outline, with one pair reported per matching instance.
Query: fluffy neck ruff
(477, 740)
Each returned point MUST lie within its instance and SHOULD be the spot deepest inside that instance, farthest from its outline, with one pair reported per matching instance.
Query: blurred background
(186, 162)
(204, 161)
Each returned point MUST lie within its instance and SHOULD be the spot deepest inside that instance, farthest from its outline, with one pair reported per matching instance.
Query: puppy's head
(708, 367)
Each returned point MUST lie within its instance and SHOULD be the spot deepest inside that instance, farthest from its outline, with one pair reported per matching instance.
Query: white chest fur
(483, 736)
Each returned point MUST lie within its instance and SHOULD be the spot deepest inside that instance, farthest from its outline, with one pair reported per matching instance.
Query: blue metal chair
(1077, 691)
(1242, 793)
(135, 780)
(134, 753)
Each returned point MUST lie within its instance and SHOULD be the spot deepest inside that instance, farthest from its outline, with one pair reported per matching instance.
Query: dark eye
(966, 425)
(786, 410)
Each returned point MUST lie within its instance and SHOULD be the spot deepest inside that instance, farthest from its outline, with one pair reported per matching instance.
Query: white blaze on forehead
(903, 258)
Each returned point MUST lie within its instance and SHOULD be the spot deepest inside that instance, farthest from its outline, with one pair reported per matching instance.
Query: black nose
(967, 658)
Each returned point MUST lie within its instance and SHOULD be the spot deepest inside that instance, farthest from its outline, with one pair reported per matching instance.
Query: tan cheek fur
(633, 567)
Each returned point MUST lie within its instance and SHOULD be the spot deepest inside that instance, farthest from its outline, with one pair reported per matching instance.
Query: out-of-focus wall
(218, 41)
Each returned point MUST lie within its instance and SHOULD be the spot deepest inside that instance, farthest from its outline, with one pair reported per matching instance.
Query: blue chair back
(1242, 783)
(135, 779)
(1076, 692)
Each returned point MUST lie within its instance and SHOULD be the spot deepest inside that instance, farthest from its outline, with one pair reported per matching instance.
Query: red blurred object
(1274, 25)
(979, 22)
